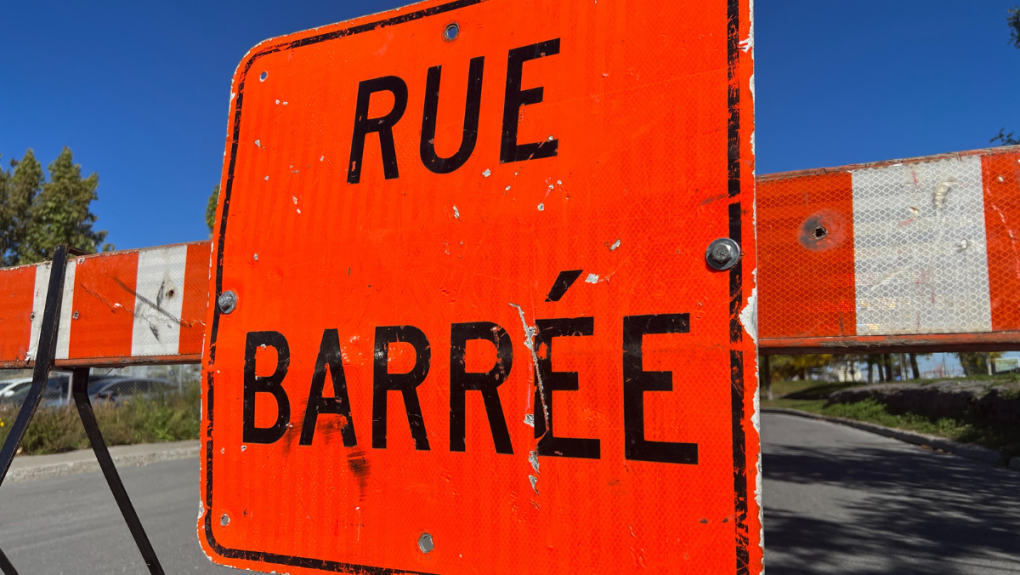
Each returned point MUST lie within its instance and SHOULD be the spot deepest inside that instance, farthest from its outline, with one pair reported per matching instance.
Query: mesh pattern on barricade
(919, 248)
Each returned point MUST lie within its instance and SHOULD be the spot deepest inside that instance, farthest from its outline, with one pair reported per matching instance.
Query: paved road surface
(71, 525)
(837, 501)
(843, 501)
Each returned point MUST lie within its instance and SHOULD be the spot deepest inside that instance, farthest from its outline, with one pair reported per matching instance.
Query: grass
(174, 417)
(812, 396)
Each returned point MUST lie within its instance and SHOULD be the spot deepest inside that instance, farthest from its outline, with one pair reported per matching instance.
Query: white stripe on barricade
(919, 248)
(42, 280)
(159, 296)
(66, 311)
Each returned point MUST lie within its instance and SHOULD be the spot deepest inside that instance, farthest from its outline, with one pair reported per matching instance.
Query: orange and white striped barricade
(134, 307)
(144, 306)
(920, 254)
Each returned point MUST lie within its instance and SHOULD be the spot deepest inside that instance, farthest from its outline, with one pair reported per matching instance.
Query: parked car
(120, 390)
(56, 395)
(13, 395)
(13, 383)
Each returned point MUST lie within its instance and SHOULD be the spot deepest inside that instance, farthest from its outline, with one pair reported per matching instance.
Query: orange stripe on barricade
(806, 256)
(103, 310)
(16, 290)
(196, 299)
(1001, 178)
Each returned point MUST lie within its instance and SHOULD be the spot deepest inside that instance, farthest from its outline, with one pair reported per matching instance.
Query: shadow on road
(869, 509)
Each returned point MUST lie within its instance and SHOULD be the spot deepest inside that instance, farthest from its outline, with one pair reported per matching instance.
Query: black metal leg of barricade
(5, 565)
(80, 386)
(40, 374)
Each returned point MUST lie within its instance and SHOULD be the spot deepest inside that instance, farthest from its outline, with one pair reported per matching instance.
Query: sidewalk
(29, 467)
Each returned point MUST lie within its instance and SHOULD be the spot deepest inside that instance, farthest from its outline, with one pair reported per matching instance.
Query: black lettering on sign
(509, 150)
(363, 125)
(340, 403)
(562, 284)
(406, 383)
(636, 381)
(461, 381)
(272, 384)
(548, 444)
(472, 109)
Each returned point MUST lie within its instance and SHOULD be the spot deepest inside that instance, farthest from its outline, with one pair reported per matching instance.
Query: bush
(174, 417)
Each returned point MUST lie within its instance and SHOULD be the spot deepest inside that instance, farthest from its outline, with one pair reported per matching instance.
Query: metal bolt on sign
(425, 543)
(722, 254)
(227, 301)
(451, 32)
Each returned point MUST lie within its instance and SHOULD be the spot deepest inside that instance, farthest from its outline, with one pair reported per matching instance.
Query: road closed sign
(482, 295)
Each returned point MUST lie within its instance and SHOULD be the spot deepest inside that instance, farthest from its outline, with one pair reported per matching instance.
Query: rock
(1000, 404)
(988, 400)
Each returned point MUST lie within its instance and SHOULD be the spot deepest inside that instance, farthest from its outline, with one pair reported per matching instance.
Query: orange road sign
(478, 303)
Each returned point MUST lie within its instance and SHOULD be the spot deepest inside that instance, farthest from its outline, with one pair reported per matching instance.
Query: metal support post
(43, 360)
(40, 375)
(80, 386)
(5, 565)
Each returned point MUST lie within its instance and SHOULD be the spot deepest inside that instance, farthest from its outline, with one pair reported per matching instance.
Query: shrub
(173, 417)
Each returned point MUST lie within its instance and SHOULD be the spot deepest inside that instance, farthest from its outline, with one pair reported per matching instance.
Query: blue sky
(139, 90)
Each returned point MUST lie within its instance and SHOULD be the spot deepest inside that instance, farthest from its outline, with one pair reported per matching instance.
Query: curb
(973, 452)
(28, 468)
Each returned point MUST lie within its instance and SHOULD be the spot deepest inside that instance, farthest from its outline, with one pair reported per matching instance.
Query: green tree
(18, 191)
(787, 367)
(210, 208)
(61, 215)
(976, 362)
(1013, 21)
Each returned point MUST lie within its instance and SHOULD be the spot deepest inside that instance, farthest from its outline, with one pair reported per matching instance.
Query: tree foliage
(1005, 139)
(18, 191)
(976, 362)
(210, 208)
(787, 367)
(1013, 21)
(37, 215)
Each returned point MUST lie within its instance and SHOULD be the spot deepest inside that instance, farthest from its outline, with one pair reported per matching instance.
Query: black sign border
(735, 281)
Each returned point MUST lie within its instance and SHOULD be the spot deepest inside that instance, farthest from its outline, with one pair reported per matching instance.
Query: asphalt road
(71, 525)
(843, 501)
(837, 501)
